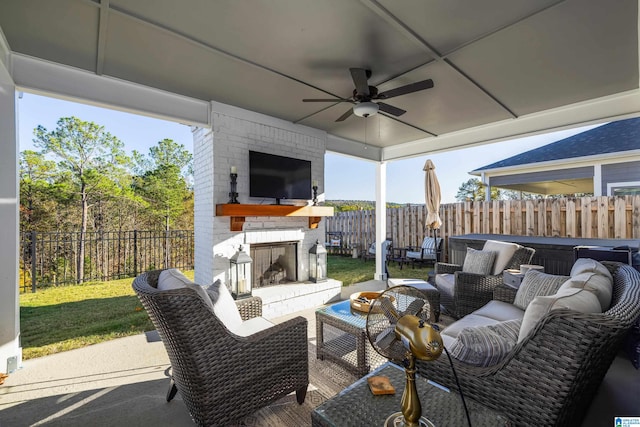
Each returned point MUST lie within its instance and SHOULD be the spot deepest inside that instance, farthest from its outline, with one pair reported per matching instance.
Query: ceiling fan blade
(346, 115)
(326, 100)
(391, 109)
(403, 90)
(359, 76)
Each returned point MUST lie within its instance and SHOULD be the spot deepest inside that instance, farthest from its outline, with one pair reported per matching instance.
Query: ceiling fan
(364, 95)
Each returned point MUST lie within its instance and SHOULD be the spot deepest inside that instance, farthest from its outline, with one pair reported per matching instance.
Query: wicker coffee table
(356, 406)
(342, 338)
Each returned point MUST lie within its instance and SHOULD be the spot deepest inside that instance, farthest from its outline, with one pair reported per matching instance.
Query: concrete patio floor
(123, 382)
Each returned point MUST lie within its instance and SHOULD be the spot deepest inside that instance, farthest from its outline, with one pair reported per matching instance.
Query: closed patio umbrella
(432, 199)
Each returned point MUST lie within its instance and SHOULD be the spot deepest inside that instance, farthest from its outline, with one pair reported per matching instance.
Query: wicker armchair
(223, 377)
(471, 291)
(551, 377)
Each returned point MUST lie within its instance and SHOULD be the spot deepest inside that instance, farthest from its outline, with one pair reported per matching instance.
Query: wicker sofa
(551, 377)
(223, 377)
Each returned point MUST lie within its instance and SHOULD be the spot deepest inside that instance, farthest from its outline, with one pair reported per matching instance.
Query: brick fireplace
(279, 243)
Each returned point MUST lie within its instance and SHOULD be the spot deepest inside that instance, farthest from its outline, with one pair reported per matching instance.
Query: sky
(346, 178)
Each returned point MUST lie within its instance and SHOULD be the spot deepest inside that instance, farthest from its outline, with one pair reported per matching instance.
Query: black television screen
(279, 177)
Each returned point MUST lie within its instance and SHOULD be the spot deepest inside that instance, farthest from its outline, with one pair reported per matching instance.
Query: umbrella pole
(435, 244)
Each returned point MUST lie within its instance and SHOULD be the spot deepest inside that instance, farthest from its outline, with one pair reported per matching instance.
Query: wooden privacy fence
(602, 217)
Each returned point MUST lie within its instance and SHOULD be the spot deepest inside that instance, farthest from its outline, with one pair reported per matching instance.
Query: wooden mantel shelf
(239, 212)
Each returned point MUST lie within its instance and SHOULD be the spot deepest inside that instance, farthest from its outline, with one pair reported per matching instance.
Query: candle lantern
(240, 274)
(317, 263)
(233, 194)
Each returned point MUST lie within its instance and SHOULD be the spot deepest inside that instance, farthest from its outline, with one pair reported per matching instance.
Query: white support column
(10, 351)
(597, 179)
(381, 220)
(486, 181)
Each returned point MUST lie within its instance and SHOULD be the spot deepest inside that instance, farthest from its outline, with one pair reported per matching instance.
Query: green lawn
(66, 317)
(350, 271)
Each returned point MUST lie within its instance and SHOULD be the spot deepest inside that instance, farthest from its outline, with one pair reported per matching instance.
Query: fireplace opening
(274, 263)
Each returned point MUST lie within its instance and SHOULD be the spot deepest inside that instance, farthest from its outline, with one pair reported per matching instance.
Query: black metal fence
(51, 258)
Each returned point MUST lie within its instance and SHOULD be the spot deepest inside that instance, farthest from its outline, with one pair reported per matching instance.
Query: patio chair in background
(427, 254)
(370, 253)
(333, 242)
(226, 362)
(466, 288)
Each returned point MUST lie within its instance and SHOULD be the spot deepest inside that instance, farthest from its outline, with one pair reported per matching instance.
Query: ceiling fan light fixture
(365, 109)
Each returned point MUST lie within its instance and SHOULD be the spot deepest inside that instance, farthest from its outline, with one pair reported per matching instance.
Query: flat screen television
(279, 177)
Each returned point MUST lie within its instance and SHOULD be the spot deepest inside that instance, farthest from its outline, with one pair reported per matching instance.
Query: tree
(93, 158)
(163, 179)
(163, 182)
(37, 180)
(474, 189)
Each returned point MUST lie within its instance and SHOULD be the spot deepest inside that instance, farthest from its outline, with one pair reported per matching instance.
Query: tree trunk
(83, 231)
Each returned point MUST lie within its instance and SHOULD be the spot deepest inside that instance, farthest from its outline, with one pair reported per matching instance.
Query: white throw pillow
(224, 306)
(535, 284)
(478, 262)
(574, 299)
(600, 285)
(504, 250)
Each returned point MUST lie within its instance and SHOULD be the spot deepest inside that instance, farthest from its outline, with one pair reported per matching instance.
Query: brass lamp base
(397, 420)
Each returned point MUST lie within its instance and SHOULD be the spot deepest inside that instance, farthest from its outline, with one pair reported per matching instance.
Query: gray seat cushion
(500, 311)
(468, 321)
(445, 283)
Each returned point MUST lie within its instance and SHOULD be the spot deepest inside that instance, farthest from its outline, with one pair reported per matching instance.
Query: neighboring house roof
(623, 135)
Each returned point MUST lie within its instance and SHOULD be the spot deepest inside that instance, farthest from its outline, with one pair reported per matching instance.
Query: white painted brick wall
(234, 133)
(204, 209)
(285, 299)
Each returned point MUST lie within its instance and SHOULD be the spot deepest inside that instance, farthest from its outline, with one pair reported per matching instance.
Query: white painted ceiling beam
(352, 148)
(39, 76)
(614, 107)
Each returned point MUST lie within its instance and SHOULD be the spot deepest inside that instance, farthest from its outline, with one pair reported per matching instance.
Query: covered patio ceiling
(501, 68)
(561, 186)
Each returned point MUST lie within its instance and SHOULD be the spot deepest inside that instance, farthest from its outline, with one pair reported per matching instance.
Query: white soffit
(45, 77)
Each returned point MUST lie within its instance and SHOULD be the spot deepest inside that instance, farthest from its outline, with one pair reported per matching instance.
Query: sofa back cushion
(579, 300)
(504, 252)
(600, 285)
(588, 265)
(224, 306)
(534, 284)
(486, 345)
(172, 278)
(478, 262)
